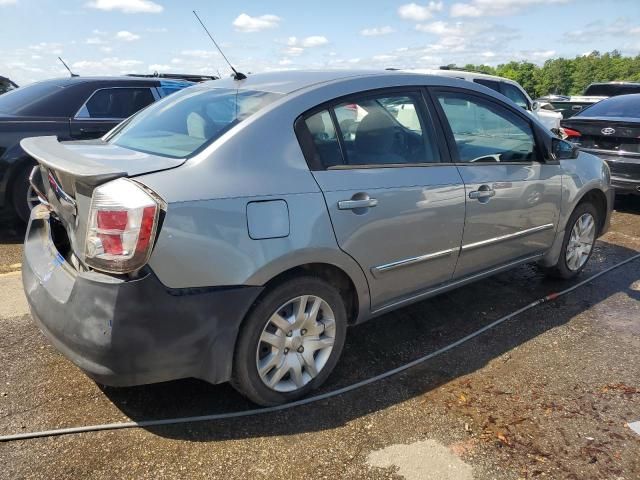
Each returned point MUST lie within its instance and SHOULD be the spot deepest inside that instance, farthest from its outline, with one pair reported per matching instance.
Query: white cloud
(376, 31)
(158, 67)
(482, 8)
(127, 36)
(126, 6)
(98, 32)
(106, 49)
(199, 53)
(7, 2)
(595, 32)
(419, 13)
(109, 65)
(246, 23)
(307, 42)
(294, 51)
(45, 47)
(94, 41)
(285, 62)
(383, 58)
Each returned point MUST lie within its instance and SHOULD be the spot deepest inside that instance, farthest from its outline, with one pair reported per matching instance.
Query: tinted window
(324, 138)
(116, 103)
(514, 94)
(622, 106)
(485, 132)
(29, 100)
(610, 89)
(492, 84)
(184, 122)
(385, 130)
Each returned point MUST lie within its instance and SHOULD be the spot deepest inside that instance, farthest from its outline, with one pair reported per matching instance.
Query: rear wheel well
(331, 274)
(598, 199)
(25, 163)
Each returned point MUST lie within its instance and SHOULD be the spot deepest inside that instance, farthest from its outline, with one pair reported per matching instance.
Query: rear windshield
(622, 106)
(610, 89)
(181, 125)
(31, 100)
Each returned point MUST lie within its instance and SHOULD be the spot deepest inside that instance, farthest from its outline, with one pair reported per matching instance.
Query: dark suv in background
(76, 108)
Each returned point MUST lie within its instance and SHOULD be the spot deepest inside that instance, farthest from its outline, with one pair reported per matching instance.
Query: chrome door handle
(353, 204)
(477, 194)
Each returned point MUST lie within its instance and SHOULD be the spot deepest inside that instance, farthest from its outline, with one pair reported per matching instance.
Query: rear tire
(290, 341)
(577, 246)
(21, 192)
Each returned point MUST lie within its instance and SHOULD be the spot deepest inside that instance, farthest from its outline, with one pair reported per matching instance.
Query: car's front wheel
(579, 240)
(290, 341)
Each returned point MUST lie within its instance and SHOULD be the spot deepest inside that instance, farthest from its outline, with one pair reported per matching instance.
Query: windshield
(181, 125)
(622, 106)
(30, 100)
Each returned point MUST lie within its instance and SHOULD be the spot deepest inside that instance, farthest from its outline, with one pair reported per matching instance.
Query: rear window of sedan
(32, 100)
(181, 125)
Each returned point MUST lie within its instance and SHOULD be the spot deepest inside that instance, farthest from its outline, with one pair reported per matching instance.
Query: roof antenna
(236, 75)
(67, 67)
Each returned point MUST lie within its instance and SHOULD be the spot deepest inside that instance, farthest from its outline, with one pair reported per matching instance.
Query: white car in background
(509, 88)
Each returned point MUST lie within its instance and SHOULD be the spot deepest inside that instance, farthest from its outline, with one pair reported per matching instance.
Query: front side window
(485, 132)
(116, 103)
(383, 130)
(515, 95)
(184, 122)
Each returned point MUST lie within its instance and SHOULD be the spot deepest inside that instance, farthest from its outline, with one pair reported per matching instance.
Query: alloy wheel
(583, 235)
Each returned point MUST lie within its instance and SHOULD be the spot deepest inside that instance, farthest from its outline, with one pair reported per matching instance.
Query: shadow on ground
(388, 342)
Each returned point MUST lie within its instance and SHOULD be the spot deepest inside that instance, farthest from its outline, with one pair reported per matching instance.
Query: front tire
(290, 341)
(23, 198)
(579, 240)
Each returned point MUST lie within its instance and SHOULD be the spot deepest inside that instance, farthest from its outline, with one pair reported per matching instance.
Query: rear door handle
(479, 194)
(353, 204)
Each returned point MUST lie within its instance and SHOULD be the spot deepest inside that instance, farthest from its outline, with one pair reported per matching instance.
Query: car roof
(289, 81)
(71, 81)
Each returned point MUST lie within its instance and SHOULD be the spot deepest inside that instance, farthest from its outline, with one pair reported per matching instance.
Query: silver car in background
(234, 230)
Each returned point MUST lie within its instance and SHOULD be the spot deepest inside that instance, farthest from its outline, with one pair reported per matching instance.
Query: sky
(113, 37)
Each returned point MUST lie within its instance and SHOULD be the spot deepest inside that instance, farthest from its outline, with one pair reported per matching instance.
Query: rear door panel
(410, 239)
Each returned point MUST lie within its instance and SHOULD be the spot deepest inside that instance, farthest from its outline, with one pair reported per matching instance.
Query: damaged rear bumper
(124, 332)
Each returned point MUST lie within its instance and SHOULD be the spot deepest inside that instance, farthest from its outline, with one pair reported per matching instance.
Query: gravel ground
(545, 395)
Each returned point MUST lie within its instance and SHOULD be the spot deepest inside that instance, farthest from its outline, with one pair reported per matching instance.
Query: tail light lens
(123, 219)
(569, 134)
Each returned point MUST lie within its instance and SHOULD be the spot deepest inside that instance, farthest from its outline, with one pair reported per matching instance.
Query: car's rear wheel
(579, 240)
(290, 341)
(23, 197)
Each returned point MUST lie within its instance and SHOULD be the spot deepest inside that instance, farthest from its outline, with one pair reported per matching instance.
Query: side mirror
(563, 150)
(535, 106)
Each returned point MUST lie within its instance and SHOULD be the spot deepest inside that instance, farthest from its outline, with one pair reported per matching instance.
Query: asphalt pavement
(547, 394)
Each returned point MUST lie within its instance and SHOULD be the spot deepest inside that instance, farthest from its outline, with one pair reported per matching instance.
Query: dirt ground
(547, 394)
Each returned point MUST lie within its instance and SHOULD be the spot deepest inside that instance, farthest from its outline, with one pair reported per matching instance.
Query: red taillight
(122, 224)
(111, 225)
(568, 133)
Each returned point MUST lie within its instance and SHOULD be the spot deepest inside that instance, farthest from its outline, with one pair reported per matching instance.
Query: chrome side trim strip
(510, 236)
(379, 270)
(453, 284)
(612, 153)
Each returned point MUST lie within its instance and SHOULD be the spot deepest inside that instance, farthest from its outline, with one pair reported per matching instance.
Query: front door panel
(517, 219)
(406, 232)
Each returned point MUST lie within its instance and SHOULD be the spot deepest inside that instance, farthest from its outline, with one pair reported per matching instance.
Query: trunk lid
(68, 173)
(607, 135)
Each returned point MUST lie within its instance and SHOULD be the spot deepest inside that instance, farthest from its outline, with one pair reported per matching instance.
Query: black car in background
(76, 108)
(6, 85)
(610, 129)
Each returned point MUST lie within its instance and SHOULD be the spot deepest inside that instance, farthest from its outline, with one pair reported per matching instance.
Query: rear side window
(373, 131)
(116, 103)
(492, 84)
(515, 95)
(183, 123)
(485, 132)
(324, 138)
